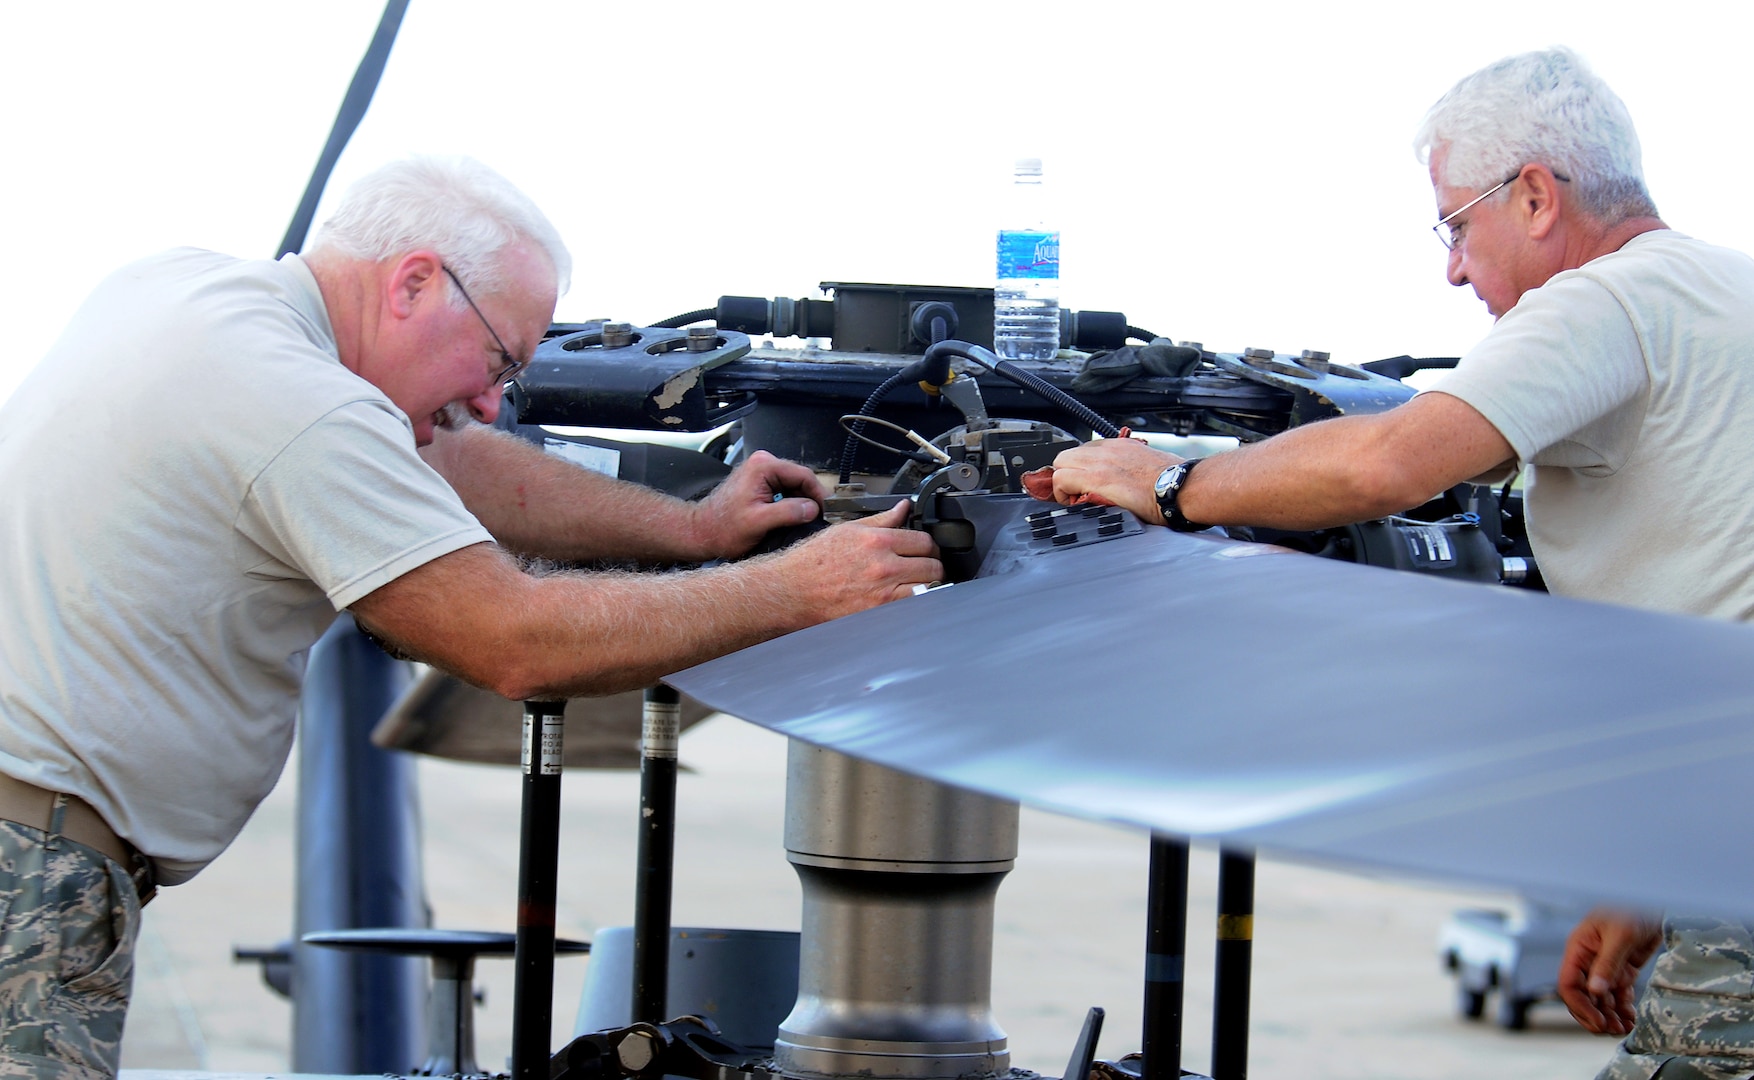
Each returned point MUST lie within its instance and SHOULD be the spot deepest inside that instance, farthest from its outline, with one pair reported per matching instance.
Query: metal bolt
(1257, 357)
(617, 335)
(1316, 360)
(636, 1051)
(703, 338)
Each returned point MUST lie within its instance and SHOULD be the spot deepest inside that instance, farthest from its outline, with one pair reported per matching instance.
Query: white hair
(1540, 108)
(456, 206)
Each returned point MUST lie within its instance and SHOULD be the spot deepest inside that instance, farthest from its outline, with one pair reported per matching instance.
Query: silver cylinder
(896, 966)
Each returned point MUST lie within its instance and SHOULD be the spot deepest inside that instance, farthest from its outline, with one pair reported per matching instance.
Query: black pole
(657, 850)
(1230, 987)
(1166, 936)
(538, 864)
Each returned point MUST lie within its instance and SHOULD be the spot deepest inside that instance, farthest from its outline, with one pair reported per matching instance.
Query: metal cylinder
(895, 970)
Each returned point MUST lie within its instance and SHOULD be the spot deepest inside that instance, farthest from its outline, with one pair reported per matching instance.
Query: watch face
(1170, 479)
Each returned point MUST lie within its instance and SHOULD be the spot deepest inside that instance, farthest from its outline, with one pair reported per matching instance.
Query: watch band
(1168, 491)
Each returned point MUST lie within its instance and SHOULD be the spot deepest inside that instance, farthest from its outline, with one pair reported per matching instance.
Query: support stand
(657, 852)
(1166, 935)
(1230, 988)
(538, 865)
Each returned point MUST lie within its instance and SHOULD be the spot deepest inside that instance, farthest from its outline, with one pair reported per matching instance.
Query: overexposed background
(1238, 174)
(1234, 173)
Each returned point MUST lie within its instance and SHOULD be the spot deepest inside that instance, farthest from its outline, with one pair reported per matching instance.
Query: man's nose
(485, 405)
(1455, 273)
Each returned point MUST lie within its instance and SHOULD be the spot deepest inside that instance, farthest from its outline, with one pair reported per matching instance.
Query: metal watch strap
(1168, 490)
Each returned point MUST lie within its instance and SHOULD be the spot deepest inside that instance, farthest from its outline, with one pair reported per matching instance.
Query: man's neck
(1614, 237)
(348, 287)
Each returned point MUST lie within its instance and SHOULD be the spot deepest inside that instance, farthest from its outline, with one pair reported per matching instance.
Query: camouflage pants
(1696, 1018)
(68, 921)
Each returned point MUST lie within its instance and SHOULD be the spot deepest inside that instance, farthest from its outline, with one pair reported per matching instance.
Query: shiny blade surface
(1367, 717)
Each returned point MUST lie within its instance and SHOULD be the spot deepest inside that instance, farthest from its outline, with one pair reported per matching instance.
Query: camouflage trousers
(1696, 1018)
(68, 921)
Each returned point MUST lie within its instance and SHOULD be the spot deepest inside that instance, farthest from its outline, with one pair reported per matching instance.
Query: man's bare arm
(475, 614)
(536, 503)
(1351, 468)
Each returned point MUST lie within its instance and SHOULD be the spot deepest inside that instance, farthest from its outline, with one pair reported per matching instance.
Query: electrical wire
(858, 428)
(930, 454)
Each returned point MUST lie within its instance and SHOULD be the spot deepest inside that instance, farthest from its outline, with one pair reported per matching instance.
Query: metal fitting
(637, 1051)
(617, 335)
(703, 338)
(1316, 360)
(1259, 358)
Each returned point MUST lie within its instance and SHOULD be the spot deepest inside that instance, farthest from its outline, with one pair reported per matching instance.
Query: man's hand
(861, 564)
(1601, 962)
(1118, 471)
(762, 494)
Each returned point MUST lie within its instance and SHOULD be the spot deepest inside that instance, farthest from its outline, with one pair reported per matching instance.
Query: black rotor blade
(353, 107)
(1374, 718)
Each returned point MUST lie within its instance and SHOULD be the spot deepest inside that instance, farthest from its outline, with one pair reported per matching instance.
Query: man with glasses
(1618, 372)
(219, 455)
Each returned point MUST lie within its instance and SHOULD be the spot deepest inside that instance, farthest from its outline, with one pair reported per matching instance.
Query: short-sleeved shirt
(193, 486)
(1628, 385)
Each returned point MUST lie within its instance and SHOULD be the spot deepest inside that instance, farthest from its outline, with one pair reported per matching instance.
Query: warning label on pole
(662, 728)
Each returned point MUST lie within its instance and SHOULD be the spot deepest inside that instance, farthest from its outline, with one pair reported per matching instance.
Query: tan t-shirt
(193, 486)
(1628, 385)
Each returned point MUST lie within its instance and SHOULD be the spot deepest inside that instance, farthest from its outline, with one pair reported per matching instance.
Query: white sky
(1234, 173)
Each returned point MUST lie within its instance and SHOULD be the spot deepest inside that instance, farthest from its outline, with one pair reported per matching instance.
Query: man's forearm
(476, 615)
(1347, 469)
(535, 503)
(1311, 477)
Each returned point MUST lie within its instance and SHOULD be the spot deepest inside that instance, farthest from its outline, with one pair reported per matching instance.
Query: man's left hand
(762, 494)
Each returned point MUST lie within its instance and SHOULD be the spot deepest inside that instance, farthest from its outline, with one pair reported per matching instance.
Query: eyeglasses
(1450, 235)
(512, 365)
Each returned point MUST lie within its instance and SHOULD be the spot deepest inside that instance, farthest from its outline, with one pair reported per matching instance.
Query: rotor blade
(1198, 686)
(353, 107)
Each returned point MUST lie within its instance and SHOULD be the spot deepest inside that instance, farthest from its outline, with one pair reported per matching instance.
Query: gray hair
(456, 206)
(1541, 108)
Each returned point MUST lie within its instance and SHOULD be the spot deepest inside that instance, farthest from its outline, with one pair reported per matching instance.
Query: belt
(34, 807)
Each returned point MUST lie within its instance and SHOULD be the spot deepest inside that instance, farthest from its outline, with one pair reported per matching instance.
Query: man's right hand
(1600, 965)
(860, 564)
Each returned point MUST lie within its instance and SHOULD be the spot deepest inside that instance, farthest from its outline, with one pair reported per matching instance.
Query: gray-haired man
(1619, 372)
(218, 455)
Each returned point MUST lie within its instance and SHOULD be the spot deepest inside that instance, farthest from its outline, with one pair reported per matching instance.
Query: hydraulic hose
(1029, 381)
(675, 322)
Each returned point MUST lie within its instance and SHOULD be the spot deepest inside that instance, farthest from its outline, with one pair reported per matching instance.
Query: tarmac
(1346, 978)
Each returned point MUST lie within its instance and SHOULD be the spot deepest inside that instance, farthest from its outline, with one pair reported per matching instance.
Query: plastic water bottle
(1026, 293)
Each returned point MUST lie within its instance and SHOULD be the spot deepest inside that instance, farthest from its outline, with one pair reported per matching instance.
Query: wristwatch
(1168, 490)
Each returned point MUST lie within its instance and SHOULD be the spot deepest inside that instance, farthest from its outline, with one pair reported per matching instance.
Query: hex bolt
(703, 338)
(617, 335)
(1316, 360)
(1259, 358)
(636, 1051)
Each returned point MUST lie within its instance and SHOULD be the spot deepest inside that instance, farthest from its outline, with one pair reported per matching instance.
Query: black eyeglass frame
(512, 364)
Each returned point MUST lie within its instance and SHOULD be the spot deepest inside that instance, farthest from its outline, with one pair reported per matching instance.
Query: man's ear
(1541, 200)
(416, 278)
